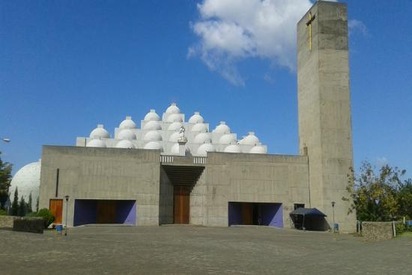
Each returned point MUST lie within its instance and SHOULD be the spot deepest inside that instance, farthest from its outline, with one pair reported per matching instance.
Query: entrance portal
(56, 208)
(252, 213)
(104, 211)
(181, 204)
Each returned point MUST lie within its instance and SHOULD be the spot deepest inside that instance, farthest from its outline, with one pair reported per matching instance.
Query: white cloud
(233, 30)
(357, 26)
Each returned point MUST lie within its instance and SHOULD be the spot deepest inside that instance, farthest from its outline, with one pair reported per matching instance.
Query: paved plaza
(199, 250)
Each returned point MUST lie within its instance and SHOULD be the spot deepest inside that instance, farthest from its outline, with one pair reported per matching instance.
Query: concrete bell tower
(325, 133)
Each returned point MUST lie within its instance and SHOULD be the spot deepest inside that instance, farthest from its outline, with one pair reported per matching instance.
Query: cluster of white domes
(168, 132)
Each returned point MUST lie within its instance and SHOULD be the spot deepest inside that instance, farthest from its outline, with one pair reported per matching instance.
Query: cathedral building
(173, 170)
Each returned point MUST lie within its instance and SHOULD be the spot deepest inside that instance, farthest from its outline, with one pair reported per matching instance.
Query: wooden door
(106, 212)
(181, 207)
(247, 213)
(56, 208)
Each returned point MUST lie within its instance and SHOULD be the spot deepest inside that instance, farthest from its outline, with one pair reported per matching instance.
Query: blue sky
(68, 65)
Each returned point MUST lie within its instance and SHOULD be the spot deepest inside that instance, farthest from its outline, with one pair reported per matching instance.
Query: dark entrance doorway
(104, 212)
(56, 208)
(183, 178)
(252, 213)
(181, 204)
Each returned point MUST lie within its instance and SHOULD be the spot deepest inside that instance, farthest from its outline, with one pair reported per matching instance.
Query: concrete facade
(324, 107)
(154, 186)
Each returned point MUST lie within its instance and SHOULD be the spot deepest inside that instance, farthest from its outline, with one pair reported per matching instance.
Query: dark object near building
(309, 219)
(33, 225)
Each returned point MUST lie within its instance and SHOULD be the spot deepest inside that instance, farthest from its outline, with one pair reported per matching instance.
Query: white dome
(127, 144)
(126, 134)
(250, 139)
(199, 127)
(232, 148)
(174, 137)
(258, 149)
(99, 132)
(152, 116)
(227, 139)
(153, 145)
(202, 138)
(96, 143)
(222, 128)
(128, 123)
(204, 148)
(152, 125)
(196, 118)
(175, 126)
(152, 136)
(173, 109)
(27, 181)
(174, 118)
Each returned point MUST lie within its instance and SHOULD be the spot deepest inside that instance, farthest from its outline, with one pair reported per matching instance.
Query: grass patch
(407, 234)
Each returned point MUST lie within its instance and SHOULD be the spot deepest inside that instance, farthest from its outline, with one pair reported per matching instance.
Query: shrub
(3, 212)
(400, 228)
(46, 215)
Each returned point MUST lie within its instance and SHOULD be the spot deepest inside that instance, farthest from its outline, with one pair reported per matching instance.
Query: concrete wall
(254, 178)
(377, 231)
(198, 201)
(102, 173)
(166, 199)
(7, 221)
(325, 132)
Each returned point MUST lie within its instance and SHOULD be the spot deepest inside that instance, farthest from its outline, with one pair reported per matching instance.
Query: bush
(3, 212)
(46, 215)
(400, 228)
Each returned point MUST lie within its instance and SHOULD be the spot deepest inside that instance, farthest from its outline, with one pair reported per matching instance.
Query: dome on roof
(126, 134)
(204, 148)
(153, 145)
(127, 144)
(196, 118)
(99, 132)
(152, 136)
(128, 123)
(96, 143)
(152, 116)
(202, 138)
(227, 139)
(250, 139)
(222, 128)
(232, 148)
(173, 109)
(174, 137)
(27, 181)
(258, 149)
(174, 118)
(152, 125)
(199, 127)
(175, 126)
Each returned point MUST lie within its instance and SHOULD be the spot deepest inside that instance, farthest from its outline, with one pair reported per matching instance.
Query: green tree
(22, 207)
(376, 193)
(29, 204)
(405, 199)
(5, 178)
(15, 203)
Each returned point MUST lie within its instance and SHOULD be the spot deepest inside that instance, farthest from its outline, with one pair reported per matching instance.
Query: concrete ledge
(377, 231)
(7, 221)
